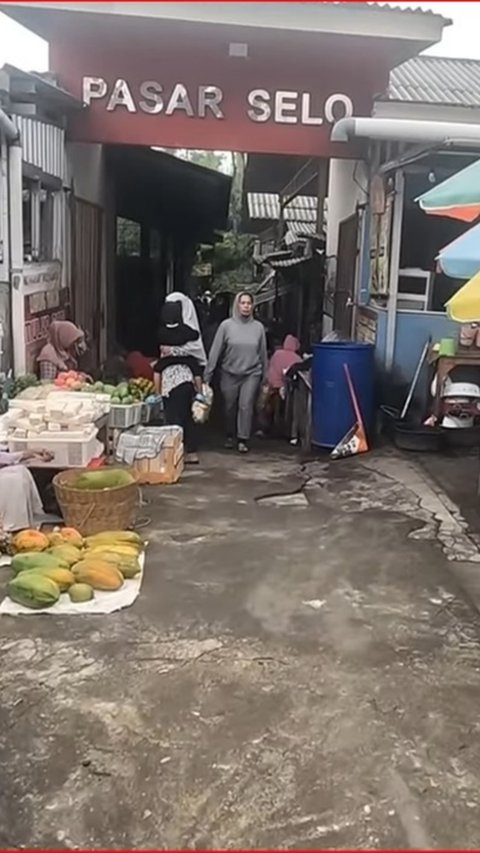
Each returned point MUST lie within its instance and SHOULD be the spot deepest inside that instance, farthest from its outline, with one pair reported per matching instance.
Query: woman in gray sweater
(239, 350)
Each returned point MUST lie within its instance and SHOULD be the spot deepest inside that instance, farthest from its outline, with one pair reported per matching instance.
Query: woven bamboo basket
(90, 512)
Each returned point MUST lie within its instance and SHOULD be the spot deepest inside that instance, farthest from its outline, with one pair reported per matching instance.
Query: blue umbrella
(457, 197)
(461, 259)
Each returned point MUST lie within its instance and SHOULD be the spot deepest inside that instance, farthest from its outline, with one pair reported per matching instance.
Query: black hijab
(173, 332)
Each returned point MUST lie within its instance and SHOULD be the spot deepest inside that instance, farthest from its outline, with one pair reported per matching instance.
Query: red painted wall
(168, 54)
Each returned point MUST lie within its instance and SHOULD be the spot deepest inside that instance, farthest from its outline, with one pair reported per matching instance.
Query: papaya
(29, 540)
(128, 566)
(33, 590)
(80, 592)
(62, 577)
(108, 478)
(129, 570)
(71, 536)
(55, 539)
(115, 536)
(128, 551)
(67, 553)
(103, 576)
(36, 559)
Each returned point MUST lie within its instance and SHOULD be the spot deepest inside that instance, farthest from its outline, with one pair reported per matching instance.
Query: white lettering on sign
(179, 100)
(258, 100)
(121, 97)
(282, 106)
(151, 91)
(210, 98)
(93, 87)
(285, 105)
(307, 118)
(330, 110)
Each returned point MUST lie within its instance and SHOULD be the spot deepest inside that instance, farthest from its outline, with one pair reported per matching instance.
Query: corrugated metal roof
(43, 85)
(303, 208)
(436, 80)
(391, 7)
(300, 230)
(43, 145)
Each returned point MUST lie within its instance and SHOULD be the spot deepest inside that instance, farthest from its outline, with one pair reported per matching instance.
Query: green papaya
(62, 577)
(34, 590)
(129, 569)
(80, 592)
(108, 478)
(36, 559)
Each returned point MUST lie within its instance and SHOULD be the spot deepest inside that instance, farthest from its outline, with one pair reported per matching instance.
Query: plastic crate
(124, 417)
(153, 412)
(68, 452)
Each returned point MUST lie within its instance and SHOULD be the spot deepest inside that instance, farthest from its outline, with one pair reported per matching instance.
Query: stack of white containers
(61, 422)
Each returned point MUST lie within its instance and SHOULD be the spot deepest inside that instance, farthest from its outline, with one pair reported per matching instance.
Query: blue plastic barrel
(332, 410)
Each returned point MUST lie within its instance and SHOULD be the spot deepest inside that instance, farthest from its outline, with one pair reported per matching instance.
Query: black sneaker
(229, 444)
(242, 447)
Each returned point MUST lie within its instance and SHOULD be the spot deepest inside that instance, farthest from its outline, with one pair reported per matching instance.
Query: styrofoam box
(67, 452)
(124, 417)
(102, 400)
(27, 405)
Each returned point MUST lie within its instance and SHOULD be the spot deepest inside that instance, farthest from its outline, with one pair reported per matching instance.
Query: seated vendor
(20, 502)
(66, 343)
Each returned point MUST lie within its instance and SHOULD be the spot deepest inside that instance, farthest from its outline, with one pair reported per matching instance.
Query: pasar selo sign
(177, 86)
(205, 115)
(282, 106)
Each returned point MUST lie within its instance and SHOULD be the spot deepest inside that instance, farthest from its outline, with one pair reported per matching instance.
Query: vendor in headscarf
(66, 343)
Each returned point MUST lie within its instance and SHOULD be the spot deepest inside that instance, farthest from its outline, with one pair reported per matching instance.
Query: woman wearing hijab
(178, 372)
(66, 342)
(274, 391)
(239, 350)
(282, 360)
(190, 319)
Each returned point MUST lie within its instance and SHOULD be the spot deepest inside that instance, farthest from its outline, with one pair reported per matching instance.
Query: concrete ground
(301, 670)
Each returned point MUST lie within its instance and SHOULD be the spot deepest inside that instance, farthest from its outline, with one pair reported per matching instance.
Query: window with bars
(38, 222)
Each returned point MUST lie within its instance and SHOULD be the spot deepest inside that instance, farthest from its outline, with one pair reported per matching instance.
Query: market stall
(76, 421)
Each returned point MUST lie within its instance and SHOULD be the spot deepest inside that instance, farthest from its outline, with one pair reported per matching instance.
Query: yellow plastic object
(464, 305)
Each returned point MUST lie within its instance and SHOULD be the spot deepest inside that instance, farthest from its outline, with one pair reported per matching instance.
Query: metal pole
(8, 128)
(16, 257)
(358, 272)
(395, 245)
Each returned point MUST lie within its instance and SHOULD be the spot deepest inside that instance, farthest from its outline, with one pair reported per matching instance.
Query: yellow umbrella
(464, 306)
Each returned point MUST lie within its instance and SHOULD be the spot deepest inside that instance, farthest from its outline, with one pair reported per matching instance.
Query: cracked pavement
(301, 670)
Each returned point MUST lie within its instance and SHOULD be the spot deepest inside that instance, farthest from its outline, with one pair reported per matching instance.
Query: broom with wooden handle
(355, 441)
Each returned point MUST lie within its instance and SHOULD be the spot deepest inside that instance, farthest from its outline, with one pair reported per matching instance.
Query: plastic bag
(202, 405)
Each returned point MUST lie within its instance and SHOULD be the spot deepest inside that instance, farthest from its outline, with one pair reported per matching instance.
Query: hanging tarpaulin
(458, 197)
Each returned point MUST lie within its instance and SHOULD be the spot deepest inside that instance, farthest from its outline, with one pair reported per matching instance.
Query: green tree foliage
(208, 159)
(232, 261)
(128, 237)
